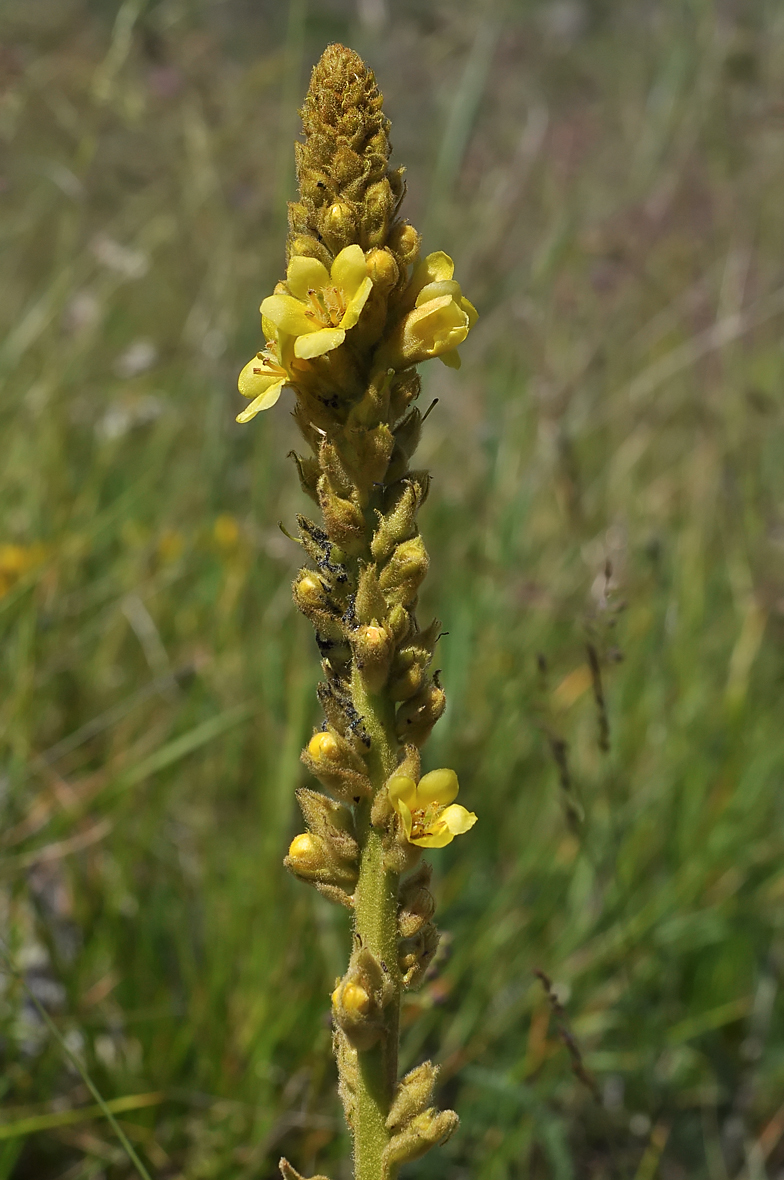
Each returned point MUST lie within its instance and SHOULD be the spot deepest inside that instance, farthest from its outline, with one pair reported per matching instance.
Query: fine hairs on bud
(358, 308)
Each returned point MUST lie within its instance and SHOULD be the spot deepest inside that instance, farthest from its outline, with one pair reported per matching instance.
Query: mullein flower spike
(357, 311)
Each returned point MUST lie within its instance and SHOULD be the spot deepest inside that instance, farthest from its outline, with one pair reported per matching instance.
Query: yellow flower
(430, 816)
(15, 561)
(438, 317)
(321, 305)
(264, 376)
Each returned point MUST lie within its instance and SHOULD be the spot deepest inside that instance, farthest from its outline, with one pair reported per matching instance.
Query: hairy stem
(375, 927)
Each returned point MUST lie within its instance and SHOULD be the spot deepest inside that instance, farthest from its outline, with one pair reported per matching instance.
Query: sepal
(289, 1173)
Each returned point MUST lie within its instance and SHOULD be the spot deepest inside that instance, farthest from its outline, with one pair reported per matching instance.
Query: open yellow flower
(264, 376)
(431, 818)
(438, 317)
(320, 305)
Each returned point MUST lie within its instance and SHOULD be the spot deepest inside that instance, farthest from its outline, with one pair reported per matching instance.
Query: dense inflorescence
(357, 312)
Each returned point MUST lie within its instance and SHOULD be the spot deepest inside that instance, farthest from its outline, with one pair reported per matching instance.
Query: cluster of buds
(357, 310)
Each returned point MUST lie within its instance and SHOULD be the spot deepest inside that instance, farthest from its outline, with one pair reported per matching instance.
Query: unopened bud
(307, 246)
(355, 999)
(340, 215)
(323, 745)
(306, 854)
(338, 225)
(398, 522)
(344, 520)
(399, 622)
(405, 242)
(374, 640)
(383, 269)
(309, 590)
(406, 683)
(379, 207)
(405, 571)
(373, 649)
(416, 717)
(414, 1094)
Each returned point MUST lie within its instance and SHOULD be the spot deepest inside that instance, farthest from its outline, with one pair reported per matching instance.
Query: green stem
(375, 926)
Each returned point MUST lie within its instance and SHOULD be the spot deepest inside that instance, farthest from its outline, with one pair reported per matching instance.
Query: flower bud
(399, 523)
(413, 1095)
(344, 520)
(377, 213)
(416, 718)
(355, 999)
(312, 859)
(405, 242)
(405, 571)
(309, 590)
(399, 622)
(383, 269)
(360, 997)
(373, 650)
(324, 746)
(426, 1130)
(370, 603)
(338, 225)
(307, 246)
(312, 598)
(337, 766)
(306, 855)
(405, 683)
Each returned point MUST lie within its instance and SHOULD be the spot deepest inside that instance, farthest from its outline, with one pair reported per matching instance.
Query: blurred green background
(608, 475)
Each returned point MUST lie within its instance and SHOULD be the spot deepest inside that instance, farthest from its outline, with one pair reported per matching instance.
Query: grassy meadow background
(608, 475)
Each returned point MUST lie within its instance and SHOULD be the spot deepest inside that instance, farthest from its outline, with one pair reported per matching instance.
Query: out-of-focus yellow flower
(316, 306)
(15, 561)
(264, 376)
(431, 818)
(438, 317)
(226, 530)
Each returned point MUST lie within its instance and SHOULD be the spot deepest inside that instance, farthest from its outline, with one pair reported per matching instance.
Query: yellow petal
(349, 270)
(405, 815)
(287, 314)
(318, 342)
(453, 821)
(457, 819)
(263, 401)
(356, 303)
(402, 791)
(438, 786)
(450, 359)
(435, 327)
(435, 268)
(470, 310)
(306, 274)
(435, 290)
(256, 379)
(268, 329)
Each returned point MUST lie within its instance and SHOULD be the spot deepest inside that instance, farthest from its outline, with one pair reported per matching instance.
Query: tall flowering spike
(356, 312)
